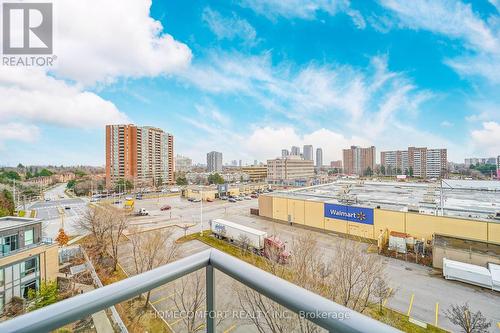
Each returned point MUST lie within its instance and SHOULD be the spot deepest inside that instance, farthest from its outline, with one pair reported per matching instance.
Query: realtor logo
(27, 28)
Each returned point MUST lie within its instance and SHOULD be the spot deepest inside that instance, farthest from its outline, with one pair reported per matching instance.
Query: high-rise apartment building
(214, 161)
(142, 154)
(319, 157)
(183, 163)
(285, 153)
(359, 160)
(498, 167)
(419, 162)
(295, 151)
(308, 152)
(289, 170)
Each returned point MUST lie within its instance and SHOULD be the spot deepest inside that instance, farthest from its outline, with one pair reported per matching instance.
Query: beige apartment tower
(140, 154)
(357, 160)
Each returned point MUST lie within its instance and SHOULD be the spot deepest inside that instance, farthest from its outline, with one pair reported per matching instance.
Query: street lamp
(201, 211)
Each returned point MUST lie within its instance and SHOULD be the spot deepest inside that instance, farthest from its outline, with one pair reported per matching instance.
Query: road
(406, 279)
(58, 204)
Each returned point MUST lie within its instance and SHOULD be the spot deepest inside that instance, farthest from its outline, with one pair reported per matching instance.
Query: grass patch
(226, 247)
(389, 316)
(400, 321)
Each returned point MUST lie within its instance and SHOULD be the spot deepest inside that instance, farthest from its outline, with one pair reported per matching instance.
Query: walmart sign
(349, 213)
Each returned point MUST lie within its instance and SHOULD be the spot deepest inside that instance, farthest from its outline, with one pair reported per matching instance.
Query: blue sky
(251, 77)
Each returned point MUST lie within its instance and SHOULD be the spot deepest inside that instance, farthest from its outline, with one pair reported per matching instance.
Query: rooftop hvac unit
(398, 241)
(413, 208)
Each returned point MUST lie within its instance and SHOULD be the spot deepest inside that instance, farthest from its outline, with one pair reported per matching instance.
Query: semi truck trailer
(269, 246)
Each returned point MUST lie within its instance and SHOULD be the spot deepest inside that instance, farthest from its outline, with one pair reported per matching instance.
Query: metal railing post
(210, 298)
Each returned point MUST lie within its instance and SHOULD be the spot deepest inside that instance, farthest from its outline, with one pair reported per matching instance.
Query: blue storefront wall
(349, 213)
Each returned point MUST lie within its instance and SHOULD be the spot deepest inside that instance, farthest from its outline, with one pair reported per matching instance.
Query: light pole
(201, 212)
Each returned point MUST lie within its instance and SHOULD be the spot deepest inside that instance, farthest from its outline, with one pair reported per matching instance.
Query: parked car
(239, 199)
(196, 200)
(166, 207)
(67, 207)
(254, 196)
(117, 202)
(190, 199)
(142, 212)
(223, 197)
(247, 198)
(138, 196)
(232, 200)
(210, 200)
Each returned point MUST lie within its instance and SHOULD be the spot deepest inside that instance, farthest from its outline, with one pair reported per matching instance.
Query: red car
(166, 207)
(210, 200)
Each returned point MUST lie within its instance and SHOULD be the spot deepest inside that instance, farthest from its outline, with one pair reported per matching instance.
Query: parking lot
(418, 290)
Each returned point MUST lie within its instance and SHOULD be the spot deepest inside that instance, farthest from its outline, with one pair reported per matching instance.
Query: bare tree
(117, 221)
(190, 301)
(244, 242)
(93, 221)
(381, 292)
(153, 249)
(355, 274)
(186, 227)
(468, 321)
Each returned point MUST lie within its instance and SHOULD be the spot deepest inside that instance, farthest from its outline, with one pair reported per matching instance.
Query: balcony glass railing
(316, 309)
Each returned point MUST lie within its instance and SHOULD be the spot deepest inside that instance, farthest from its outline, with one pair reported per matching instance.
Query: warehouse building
(373, 210)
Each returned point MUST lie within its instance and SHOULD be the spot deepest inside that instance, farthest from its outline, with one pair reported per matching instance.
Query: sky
(250, 77)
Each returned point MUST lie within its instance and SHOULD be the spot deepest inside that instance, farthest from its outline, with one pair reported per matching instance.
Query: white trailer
(495, 275)
(235, 232)
(473, 274)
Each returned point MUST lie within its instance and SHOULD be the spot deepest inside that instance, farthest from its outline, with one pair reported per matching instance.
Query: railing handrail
(321, 310)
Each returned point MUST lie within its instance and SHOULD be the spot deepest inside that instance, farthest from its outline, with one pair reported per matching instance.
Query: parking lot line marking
(437, 314)
(162, 299)
(411, 304)
(387, 298)
(230, 329)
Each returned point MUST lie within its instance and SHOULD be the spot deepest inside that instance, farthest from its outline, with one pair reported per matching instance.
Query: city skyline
(388, 75)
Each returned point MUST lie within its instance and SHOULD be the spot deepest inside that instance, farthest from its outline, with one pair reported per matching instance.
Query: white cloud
(312, 91)
(229, 27)
(100, 41)
(304, 9)
(456, 20)
(487, 139)
(446, 123)
(30, 95)
(18, 132)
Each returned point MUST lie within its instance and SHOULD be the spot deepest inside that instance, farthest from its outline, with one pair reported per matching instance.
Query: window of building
(28, 237)
(10, 243)
(29, 267)
(25, 288)
(2, 279)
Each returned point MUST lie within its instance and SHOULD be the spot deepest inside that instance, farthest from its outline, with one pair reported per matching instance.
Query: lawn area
(390, 317)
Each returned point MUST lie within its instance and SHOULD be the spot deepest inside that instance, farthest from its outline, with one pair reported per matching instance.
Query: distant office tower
(183, 163)
(308, 153)
(419, 162)
(255, 162)
(359, 160)
(284, 153)
(214, 161)
(239, 163)
(295, 151)
(319, 157)
(139, 153)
